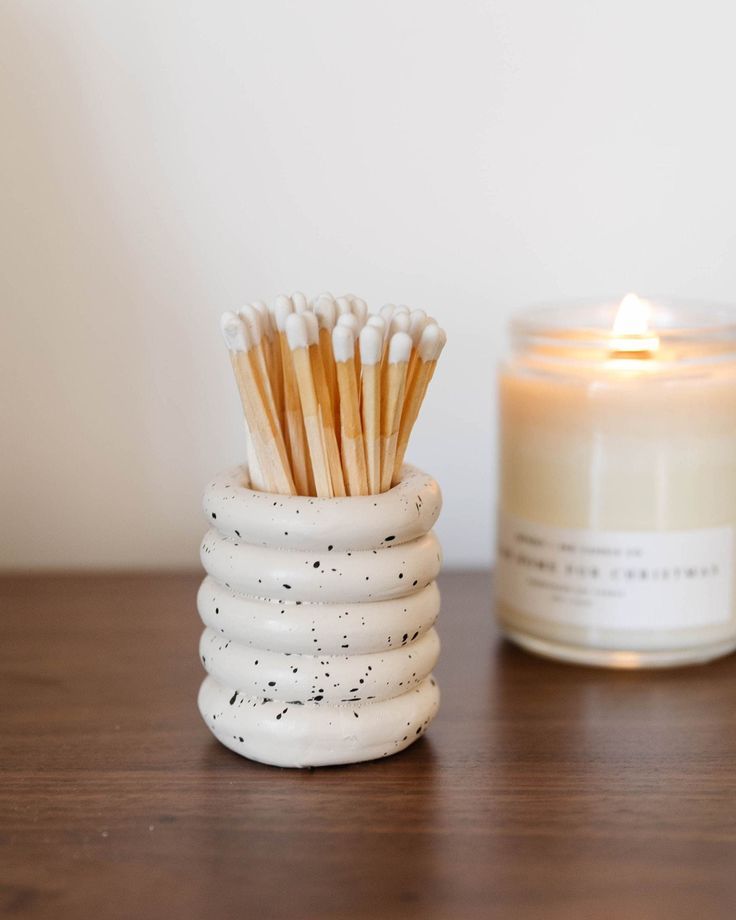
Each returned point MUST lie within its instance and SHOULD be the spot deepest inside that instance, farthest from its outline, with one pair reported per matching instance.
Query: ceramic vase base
(619, 658)
(319, 614)
(286, 734)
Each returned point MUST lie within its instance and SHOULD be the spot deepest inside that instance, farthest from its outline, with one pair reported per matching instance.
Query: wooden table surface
(542, 790)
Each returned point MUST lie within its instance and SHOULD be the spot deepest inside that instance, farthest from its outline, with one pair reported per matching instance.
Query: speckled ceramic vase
(319, 615)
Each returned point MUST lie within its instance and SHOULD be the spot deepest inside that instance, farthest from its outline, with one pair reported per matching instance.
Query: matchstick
(379, 322)
(330, 392)
(323, 294)
(273, 357)
(325, 310)
(326, 413)
(351, 435)
(417, 322)
(431, 343)
(301, 305)
(399, 323)
(344, 306)
(349, 321)
(370, 357)
(256, 327)
(359, 308)
(297, 335)
(392, 402)
(264, 431)
(294, 433)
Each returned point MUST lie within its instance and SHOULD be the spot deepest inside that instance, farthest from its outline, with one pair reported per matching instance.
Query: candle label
(633, 580)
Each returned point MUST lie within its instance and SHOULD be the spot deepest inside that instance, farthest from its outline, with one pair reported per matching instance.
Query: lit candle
(618, 484)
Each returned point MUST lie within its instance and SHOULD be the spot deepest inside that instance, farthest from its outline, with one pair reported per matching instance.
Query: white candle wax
(618, 487)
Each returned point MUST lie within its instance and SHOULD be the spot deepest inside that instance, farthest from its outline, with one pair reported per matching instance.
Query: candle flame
(631, 332)
(632, 317)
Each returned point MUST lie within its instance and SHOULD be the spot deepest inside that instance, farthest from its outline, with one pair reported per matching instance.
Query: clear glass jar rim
(589, 323)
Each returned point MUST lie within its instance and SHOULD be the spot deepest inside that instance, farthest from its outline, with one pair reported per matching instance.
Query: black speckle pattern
(318, 654)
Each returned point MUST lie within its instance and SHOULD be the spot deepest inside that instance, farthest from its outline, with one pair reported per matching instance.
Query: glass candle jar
(617, 502)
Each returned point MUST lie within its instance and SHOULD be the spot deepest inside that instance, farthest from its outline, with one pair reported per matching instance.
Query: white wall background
(161, 161)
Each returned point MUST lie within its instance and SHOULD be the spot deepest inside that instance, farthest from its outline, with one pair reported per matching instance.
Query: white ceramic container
(319, 615)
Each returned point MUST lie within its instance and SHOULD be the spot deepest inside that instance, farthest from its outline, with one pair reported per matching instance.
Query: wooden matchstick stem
(392, 400)
(327, 420)
(412, 404)
(294, 422)
(312, 422)
(276, 375)
(259, 357)
(328, 362)
(351, 442)
(358, 366)
(330, 401)
(371, 415)
(267, 440)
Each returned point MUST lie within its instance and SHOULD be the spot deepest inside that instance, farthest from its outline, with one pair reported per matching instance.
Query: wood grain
(542, 790)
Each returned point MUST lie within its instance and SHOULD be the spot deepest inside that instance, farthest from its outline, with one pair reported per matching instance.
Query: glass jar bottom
(619, 658)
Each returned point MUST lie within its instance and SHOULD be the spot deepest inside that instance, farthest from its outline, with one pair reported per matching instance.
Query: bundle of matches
(330, 392)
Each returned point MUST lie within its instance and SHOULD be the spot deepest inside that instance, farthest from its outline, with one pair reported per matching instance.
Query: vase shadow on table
(334, 830)
(422, 749)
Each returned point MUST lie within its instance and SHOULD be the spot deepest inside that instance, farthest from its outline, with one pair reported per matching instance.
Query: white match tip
(417, 322)
(399, 323)
(282, 309)
(343, 343)
(343, 306)
(378, 322)
(233, 331)
(432, 342)
(264, 316)
(300, 302)
(399, 349)
(326, 312)
(252, 319)
(297, 334)
(350, 321)
(402, 308)
(387, 311)
(360, 309)
(267, 319)
(371, 345)
(312, 327)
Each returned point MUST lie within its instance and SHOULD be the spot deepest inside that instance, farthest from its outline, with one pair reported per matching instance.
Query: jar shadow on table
(628, 765)
(543, 709)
